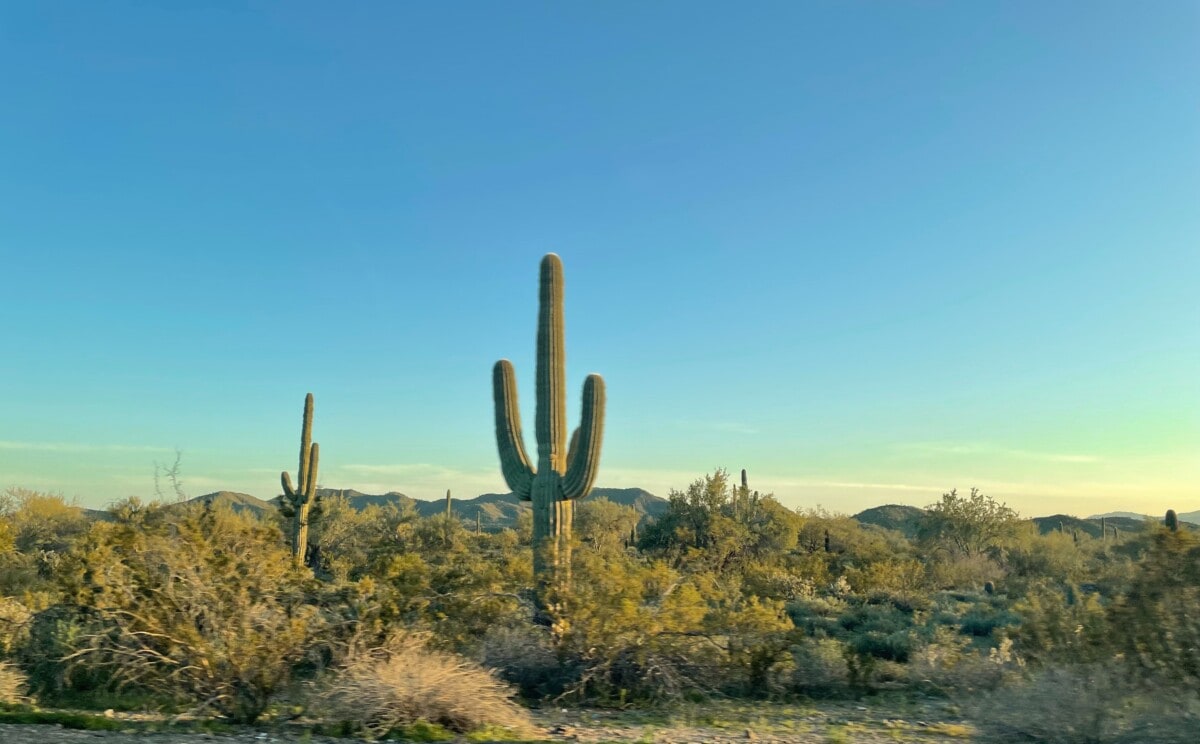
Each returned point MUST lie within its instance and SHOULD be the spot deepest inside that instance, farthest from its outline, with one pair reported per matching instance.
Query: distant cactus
(1172, 521)
(297, 503)
(563, 475)
(989, 588)
(449, 506)
(827, 544)
(1103, 530)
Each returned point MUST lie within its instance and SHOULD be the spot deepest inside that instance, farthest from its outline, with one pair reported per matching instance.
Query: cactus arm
(514, 463)
(551, 369)
(578, 480)
(573, 449)
(286, 480)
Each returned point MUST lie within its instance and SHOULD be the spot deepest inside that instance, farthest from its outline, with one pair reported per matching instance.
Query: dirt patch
(916, 722)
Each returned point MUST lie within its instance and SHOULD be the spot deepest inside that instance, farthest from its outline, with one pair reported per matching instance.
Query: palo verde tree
(562, 475)
(297, 503)
(966, 525)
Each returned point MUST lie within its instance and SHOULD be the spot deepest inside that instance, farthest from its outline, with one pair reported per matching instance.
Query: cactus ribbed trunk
(297, 502)
(300, 534)
(553, 517)
(564, 473)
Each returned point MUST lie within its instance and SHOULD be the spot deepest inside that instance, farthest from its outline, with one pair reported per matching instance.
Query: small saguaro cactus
(297, 503)
(1103, 530)
(563, 474)
(1172, 521)
(449, 506)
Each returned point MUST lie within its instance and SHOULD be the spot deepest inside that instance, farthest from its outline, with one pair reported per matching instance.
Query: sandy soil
(826, 723)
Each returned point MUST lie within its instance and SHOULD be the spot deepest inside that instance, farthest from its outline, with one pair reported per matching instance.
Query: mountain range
(499, 510)
(1192, 517)
(494, 510)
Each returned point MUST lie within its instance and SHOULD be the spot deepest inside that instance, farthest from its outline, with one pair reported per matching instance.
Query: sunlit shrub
(405, 682)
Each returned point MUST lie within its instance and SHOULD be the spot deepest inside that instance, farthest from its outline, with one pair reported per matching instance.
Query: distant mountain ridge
(500, 510)
(1192, 517)
(495, 510)
(906, 519)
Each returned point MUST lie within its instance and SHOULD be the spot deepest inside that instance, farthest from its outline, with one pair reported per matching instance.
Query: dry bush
(13, 685)
(14, 624)
(206, 610)
(405, 682)
(1087, 704)
(524, 656)
(949, 665)
(820, 668)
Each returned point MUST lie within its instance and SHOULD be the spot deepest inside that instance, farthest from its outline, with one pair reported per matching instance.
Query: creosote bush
(406, 682)
(205, 610)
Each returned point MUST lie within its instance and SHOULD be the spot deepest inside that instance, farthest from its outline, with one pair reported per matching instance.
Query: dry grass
(406, 682)
(1087, 704)
(13, 685)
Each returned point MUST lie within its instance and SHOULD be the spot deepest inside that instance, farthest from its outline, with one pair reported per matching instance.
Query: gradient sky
(869, 251)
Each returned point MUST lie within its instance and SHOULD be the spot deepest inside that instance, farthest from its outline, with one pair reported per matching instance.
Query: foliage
(966, 525)
(206, 609)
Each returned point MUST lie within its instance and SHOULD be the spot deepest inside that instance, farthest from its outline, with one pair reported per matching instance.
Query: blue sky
(869, 251)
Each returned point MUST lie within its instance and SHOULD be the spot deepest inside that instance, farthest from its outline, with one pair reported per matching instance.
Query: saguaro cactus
(297, 503)
(563, 474)
(1172, 521)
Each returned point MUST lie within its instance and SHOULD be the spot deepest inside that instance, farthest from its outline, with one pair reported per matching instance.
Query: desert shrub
(525, 656)
(758, 639)
(950, 664)
(206, 610)
(983, 620)
(14, 624)
(53, 635)
(819, 668)
(1061, 624)
(1157, 623)
(13, 685)
(817, 616)
(1086, 704)
(964, 571)
(406, 682)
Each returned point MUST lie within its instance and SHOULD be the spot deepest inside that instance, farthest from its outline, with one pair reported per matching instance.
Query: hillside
(903, 519)
(1091, 526)
(495, 510)
(1192, 517)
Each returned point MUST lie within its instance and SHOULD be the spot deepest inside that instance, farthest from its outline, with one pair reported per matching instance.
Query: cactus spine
(297, 503)
(562, 475)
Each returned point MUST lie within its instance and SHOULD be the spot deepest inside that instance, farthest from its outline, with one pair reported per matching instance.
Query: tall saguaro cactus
(563, 474)
(297, 503)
